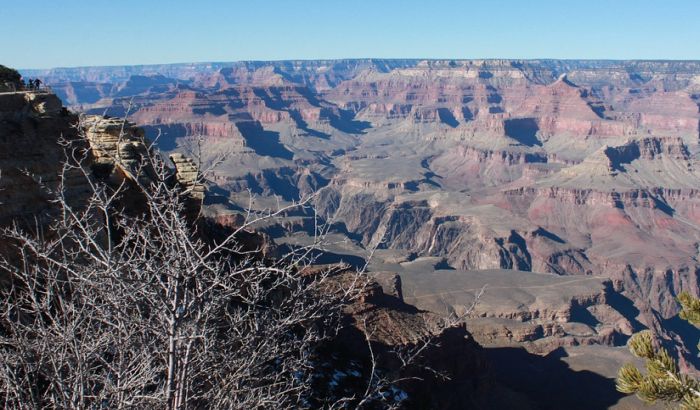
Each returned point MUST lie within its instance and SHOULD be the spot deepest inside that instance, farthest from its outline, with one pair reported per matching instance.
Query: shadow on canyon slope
(688, 333)
(165, 135)
(549, 381)
(345, 121)
(446, 117)
(523, 130)
(321, 257)
(263, 142)
(330, 257)
(467, 114)
(547, 234)
(274, 99)
(304, 126)
(623, 305)
(213, 109)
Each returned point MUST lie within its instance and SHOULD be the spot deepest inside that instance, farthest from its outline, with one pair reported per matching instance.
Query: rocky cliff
(32, 126)
(38, 134)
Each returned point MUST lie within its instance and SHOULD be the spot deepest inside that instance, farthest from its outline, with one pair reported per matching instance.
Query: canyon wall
(569, 168)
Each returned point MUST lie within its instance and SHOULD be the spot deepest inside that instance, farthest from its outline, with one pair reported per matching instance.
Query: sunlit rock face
(560, 167)
(39, 135)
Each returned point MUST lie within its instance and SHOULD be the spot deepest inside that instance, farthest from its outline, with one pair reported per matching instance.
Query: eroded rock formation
(562, 167)
(38, 134)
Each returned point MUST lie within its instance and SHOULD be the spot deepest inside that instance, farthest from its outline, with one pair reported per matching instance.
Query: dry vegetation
(109, 308)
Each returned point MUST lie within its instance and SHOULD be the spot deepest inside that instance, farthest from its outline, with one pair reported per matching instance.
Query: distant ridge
(186, 70)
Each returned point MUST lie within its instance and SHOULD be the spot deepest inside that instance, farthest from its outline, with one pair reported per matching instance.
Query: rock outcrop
(188, 177)
(450, 371)
(34, 131)
(515, 308)
(38, 133)
(118, 149)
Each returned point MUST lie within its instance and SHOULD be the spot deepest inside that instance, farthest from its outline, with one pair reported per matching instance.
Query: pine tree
(9, 76)
(662, 381)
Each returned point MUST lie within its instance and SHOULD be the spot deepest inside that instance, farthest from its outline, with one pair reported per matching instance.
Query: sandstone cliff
(37, 135)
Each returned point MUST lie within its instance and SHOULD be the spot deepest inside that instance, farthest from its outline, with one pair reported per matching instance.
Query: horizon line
(651, 60)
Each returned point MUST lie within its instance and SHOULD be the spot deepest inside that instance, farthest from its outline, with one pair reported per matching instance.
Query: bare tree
(123, 300)
(111, 308)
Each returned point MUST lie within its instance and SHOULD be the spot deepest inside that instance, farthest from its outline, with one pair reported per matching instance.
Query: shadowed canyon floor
(463, 174)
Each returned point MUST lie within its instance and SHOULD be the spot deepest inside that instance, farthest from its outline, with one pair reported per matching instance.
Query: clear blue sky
(58, 33)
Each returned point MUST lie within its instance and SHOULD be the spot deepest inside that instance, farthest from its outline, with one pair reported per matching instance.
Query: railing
(13, 88)
(42, 89)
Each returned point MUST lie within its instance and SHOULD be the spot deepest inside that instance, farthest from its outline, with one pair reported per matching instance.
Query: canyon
(555, 203)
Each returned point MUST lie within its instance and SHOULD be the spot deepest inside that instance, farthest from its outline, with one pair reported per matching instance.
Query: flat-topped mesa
(478, 166)
(508, 157)
(649, 163)
(651, 148)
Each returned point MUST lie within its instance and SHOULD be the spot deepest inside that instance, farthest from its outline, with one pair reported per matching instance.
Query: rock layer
(561, 167)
